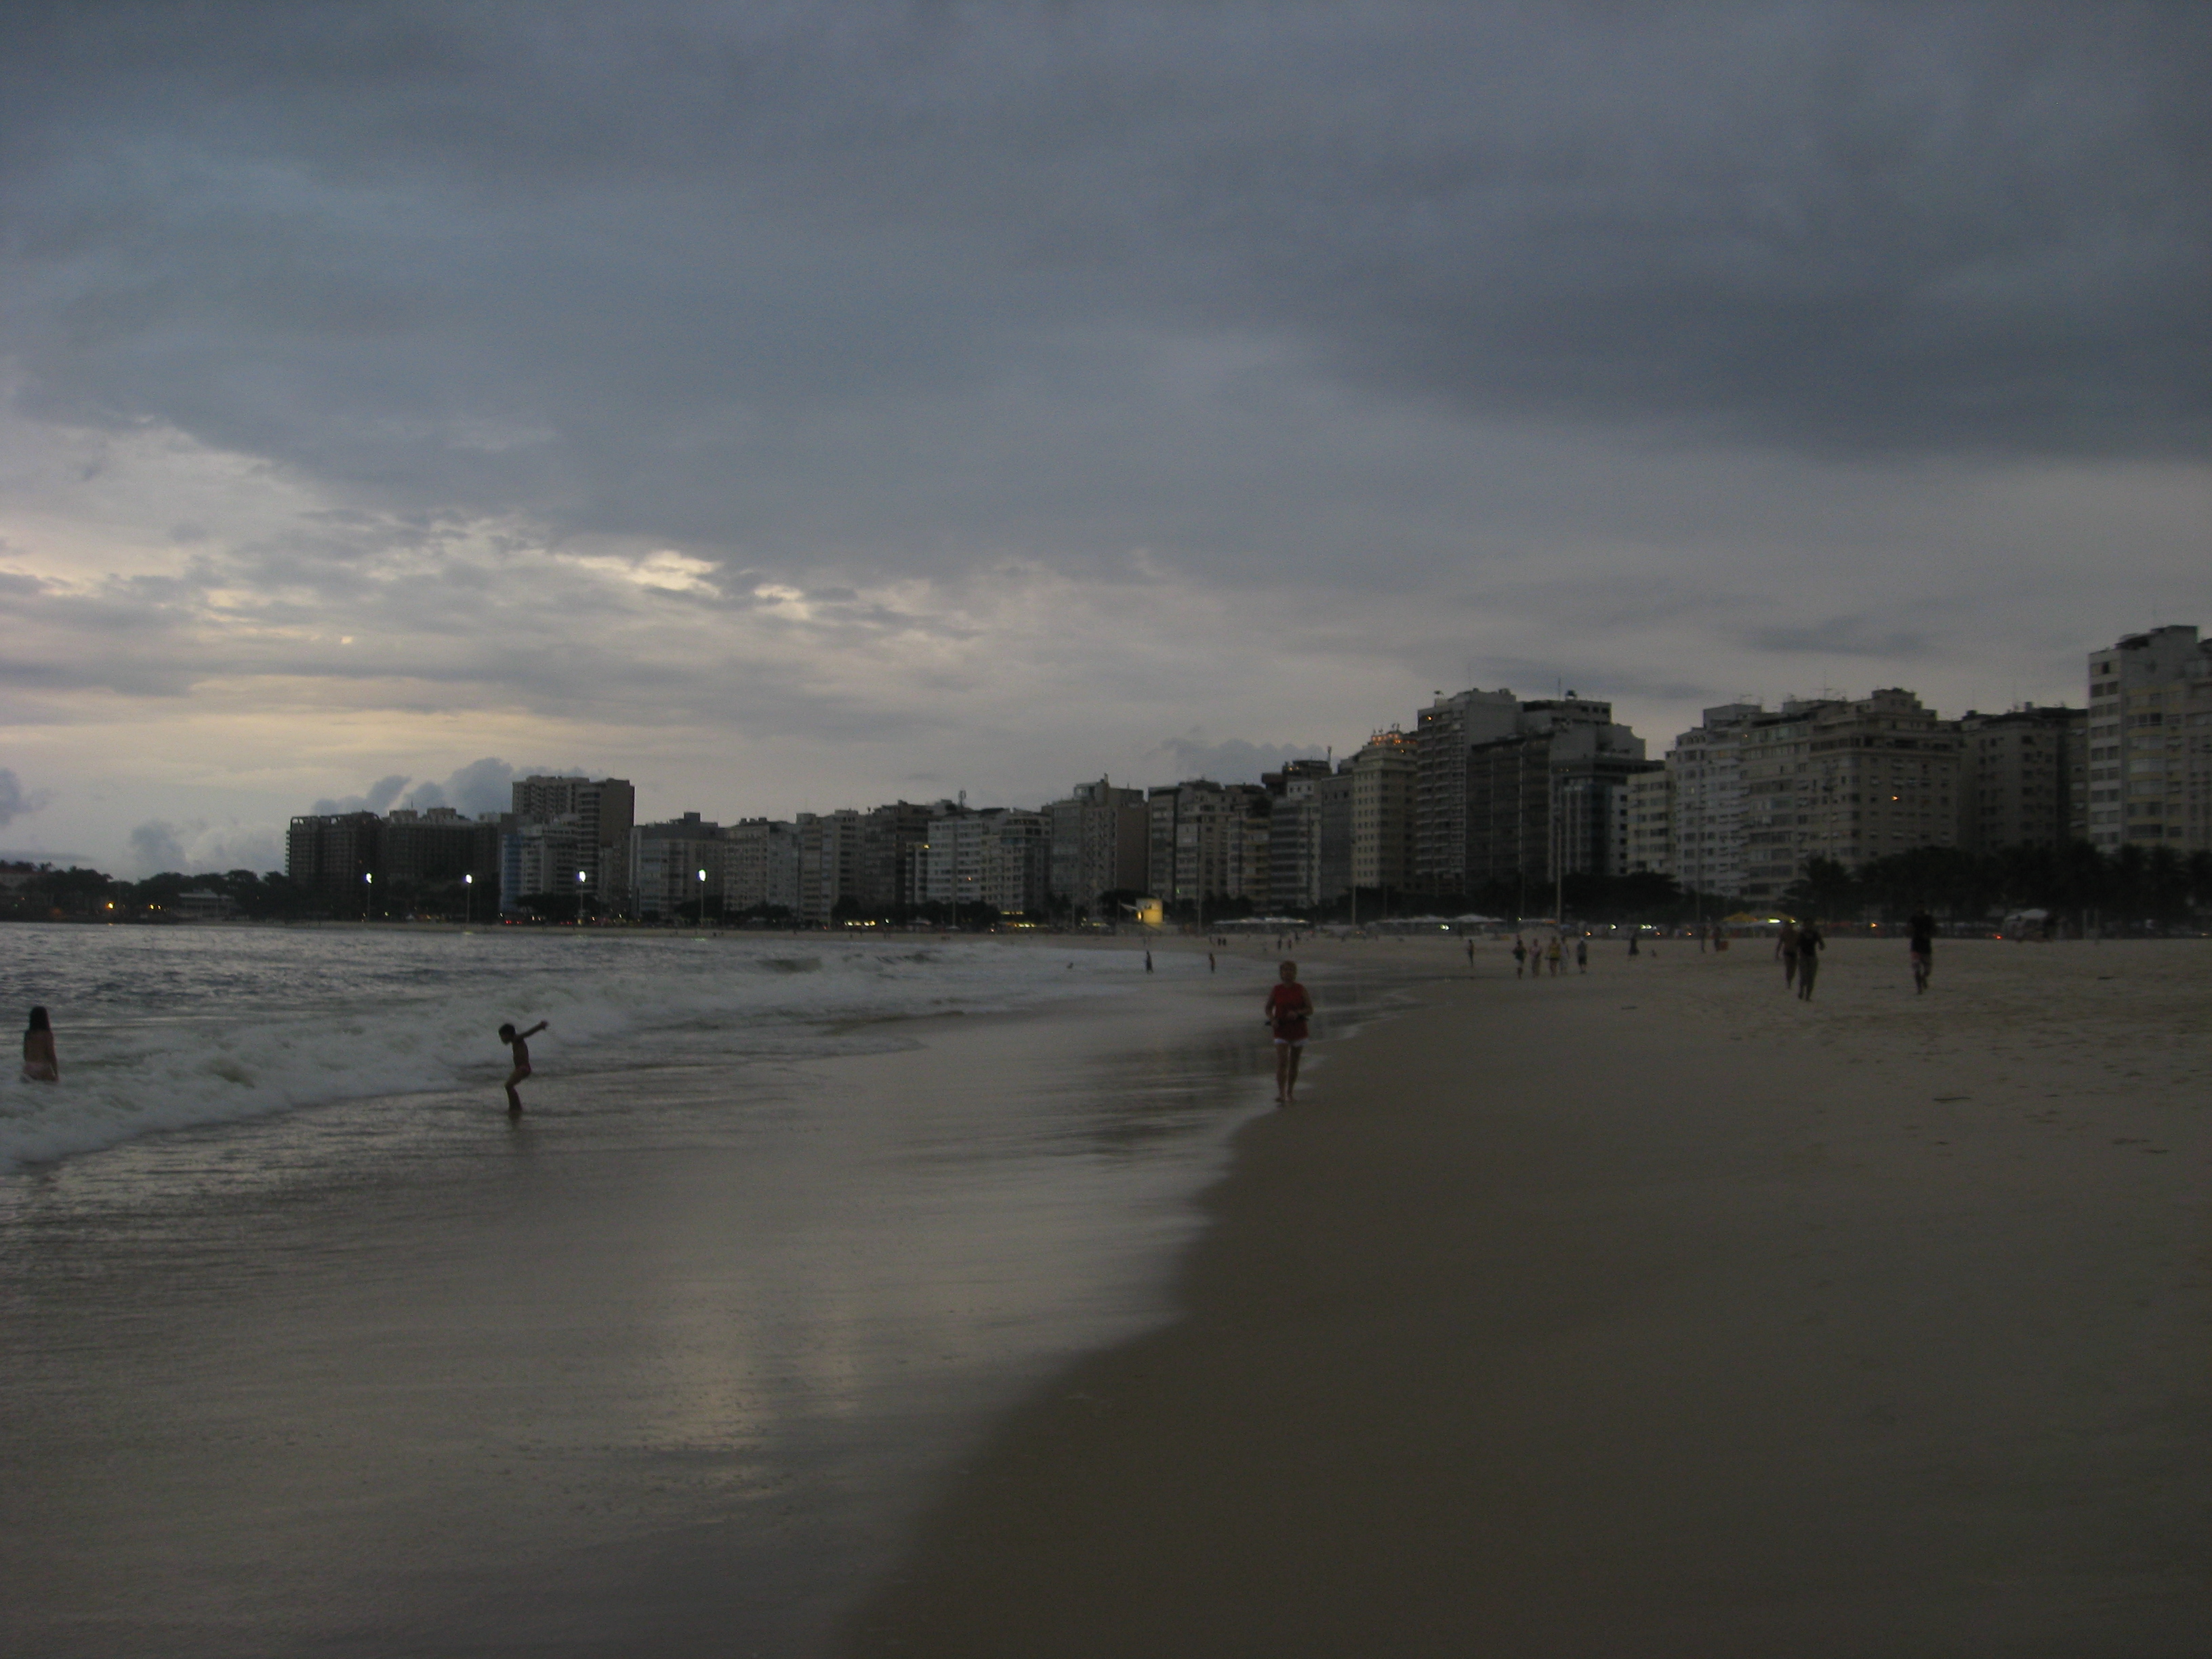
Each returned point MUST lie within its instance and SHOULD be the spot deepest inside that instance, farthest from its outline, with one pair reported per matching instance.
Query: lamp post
(367, 891)
(468, 897)
(580, 898)
(703, 900)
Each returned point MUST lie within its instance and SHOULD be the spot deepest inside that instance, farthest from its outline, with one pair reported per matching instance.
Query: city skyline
(787, 414)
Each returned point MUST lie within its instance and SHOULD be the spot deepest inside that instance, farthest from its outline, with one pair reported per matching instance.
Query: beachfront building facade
(1649, 835)
(2149, 742)
(1308, 834)
(551, 867)
(2020, 775)
(1706, 766)
(993, 856)
(760, 868)
(595, 816)
(1850, 780)
(1386, 794)
(1097, 843)
(1551, 800)
(1444, 735)
(334, 855)
(679, 868)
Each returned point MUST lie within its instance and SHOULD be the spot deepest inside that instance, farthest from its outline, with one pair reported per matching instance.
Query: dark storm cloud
(857, 286)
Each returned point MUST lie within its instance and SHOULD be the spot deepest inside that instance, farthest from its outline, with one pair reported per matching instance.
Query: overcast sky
(799, 406)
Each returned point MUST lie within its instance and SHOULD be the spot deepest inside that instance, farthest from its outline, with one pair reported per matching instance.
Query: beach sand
(1654, 1312)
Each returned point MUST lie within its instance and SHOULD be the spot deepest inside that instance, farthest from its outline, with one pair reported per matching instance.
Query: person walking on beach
(1581, 955)
(1470, 956)
(40, 1063)
(519, 1042)
(1634, 949)
(1922, 948)
(1520, 955)
(1288, 1009)
(1810, 944)
(1785, 952)
(1552, 956)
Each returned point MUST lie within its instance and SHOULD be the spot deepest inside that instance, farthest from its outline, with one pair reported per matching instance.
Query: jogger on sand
(1288, 1009)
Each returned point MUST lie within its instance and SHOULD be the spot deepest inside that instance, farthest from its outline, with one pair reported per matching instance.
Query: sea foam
(173, 1028)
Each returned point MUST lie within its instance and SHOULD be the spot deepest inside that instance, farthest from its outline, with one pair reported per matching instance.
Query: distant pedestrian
(1552, 956)
(1785, 952)
(1810, 944)
(1209, 962)
(1701, 938)
(1470, 956)
(1633, 949)
(519, 1043)
(1520, 955)
(1148, 958)
(40, 1063)
(1921, 948)
(1581, 955)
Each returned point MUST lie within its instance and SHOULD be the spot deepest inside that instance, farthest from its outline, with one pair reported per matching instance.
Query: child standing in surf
(519, 1042)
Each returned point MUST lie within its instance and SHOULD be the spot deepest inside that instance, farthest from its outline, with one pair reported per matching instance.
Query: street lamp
(367, 891)
(702, 899)
(580, 898)
(468, 897)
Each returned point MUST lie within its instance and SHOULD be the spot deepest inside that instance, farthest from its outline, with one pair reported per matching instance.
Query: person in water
(40, 1064)
(519, 1042)
(1288, 1009)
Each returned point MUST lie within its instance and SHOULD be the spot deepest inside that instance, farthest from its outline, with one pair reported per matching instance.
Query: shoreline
(645, 1369)
(1654, 1313)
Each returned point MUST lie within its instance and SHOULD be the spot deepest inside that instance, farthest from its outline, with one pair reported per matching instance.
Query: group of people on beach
(1536, 958)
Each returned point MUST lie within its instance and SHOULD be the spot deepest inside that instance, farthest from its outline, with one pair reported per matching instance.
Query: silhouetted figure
(1810, 944)
(40, 1063)
(519, 1043)
(1921, 948)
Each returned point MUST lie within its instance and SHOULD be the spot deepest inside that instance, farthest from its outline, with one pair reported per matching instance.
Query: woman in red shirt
(1288, 1010)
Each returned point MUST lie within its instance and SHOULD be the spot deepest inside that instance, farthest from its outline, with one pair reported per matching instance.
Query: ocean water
(176, 1028)
(312, 1351)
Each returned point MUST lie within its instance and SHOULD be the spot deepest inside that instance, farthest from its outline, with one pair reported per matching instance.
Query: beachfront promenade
(1654, 1313)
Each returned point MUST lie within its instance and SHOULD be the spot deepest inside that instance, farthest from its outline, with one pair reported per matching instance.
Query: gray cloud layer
(896, 283)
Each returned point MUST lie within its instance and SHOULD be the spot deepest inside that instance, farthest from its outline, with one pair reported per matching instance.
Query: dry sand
(1654, 1312)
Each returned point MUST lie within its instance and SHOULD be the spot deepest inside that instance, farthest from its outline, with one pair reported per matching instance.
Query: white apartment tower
(1706, 766)
(2150, 742)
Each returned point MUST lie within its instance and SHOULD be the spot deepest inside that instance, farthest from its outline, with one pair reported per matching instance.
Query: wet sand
(1654, 1313)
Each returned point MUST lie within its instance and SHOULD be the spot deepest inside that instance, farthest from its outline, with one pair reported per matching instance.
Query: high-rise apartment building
(1551, 799)
(335, 856)
(2017, 775)
(760, 866)
(595, 816)
(679, 868)
(1848, 781)
(1706, 765)
(2150, 742)
(1649, 838)
(358, 864)
(832, 864)
(1387, 785)
(1443, 733)
(1098, 843)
